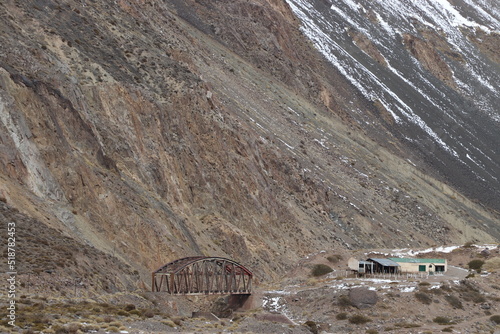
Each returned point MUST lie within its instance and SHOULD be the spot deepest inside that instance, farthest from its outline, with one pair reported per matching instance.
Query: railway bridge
(202, 275)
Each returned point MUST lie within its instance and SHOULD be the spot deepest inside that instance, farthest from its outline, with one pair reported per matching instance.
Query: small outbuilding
(359, 266)
(421, 265)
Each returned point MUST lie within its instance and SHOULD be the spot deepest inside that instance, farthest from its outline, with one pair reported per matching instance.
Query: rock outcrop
(363, 297)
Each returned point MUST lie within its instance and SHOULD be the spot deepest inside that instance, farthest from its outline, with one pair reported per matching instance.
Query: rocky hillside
(153, 130)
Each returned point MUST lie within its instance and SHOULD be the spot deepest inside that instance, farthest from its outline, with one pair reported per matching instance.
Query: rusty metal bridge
(202, 275)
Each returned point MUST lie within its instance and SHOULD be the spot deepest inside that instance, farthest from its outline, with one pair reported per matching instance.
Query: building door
(421, 267)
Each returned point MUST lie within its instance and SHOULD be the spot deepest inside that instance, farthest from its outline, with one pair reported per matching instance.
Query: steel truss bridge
(202, 275)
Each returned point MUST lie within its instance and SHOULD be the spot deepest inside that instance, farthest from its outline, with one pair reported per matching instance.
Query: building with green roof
(421, 265)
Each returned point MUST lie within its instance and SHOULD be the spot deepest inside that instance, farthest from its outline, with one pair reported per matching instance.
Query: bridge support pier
(236, 302)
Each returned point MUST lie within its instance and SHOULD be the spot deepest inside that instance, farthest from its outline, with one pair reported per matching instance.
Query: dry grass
(168, 323)
(59, 317)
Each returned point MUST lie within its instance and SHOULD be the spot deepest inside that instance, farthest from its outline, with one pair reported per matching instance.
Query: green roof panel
(415, 260)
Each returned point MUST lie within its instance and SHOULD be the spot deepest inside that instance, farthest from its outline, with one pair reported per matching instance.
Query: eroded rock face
(363, 297)
(365, 44)
(429, 58)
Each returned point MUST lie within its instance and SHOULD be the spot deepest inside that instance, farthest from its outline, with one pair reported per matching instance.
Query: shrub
(89, 328)
(359, 319)
(312, 326)
(344, 301)
(73, 327)
(423, 298)
(63, 330)
(495, 318)
(129, 307)
(148, 313)
(341, 316)
(448, 329)
(442, 320)
(320, 270)
(334, 258)
(108, 319)
(437, 291)
(476, 265)
(372, 331)
(406, 325)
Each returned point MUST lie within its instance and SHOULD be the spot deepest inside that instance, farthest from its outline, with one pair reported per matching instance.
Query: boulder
(363, 297)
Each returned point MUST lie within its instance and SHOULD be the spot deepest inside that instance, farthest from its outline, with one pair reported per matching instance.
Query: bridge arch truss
(202, 275)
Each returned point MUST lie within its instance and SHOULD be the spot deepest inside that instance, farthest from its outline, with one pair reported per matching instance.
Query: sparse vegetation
(492, 264)
(320, 270)
(406, 325)
(470, 293)
(423, 298)
(454, 301)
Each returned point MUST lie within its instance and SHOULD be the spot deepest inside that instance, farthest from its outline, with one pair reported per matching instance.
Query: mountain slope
(422, 62)
(153, 131)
